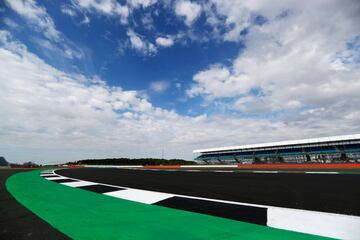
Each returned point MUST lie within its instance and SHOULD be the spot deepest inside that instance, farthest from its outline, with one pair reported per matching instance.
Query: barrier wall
(301, 166)
(289, 166)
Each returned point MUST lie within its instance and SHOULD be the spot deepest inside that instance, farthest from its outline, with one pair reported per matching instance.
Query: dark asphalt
(18, 223)
(338, 193)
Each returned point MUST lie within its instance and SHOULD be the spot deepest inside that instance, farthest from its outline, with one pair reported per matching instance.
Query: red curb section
(269, 166)
(301, 166)
(274, 166)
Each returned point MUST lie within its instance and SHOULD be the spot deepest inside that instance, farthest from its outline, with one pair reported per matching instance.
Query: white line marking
(79, 184)
(56, 178)
(209, 166)
(47, 175)
(322, 172)
(265, 171)
(192, 170)
(143, 196)
(223, 171)
(114, 166)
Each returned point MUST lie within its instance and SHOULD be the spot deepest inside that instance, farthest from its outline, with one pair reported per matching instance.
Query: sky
(104, 78)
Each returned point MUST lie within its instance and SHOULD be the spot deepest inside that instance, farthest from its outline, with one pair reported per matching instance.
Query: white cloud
(36, 15)
(86, 20)
(136, 41)
(38, 18)
(218, 81)
(141, 45)
(10, 23)
(53, 116)
(232, 16)
(105, 7)
(164, 41)
(296, 63)
(190, 11)
(142, 3)
(63, 51)
(122, 12)
(68, 10)
(102, 6)
(159, 86)
(147, 21)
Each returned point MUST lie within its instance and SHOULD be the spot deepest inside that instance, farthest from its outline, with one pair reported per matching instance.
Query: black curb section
(257, 215)
(99, 188)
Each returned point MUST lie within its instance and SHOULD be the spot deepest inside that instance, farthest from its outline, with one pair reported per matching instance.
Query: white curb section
(318, 223)
(143, 196)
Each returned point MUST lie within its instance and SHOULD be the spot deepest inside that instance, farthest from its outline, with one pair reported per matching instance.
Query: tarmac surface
(335, 193)
(17, 222)
(95, 214)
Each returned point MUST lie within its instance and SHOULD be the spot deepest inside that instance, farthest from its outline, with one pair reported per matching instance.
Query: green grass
(86, 215)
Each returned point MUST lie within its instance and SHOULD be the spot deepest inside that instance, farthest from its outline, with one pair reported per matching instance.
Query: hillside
(3, 162)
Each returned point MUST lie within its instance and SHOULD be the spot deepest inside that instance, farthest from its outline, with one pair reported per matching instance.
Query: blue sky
(107, 52)
(99, 78)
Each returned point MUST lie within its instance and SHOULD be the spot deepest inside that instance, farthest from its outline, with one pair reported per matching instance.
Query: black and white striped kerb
(99, 188)
(244, 213)
(318, 223)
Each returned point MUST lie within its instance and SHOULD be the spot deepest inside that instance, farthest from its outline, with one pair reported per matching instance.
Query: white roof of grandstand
(283, 143)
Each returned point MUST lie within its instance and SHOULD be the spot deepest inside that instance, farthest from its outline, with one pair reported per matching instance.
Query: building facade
(324, 150)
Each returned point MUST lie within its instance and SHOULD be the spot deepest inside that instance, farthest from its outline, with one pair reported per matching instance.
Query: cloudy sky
(105, 78)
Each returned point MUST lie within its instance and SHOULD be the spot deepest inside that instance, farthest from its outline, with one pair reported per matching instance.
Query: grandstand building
(325, 150)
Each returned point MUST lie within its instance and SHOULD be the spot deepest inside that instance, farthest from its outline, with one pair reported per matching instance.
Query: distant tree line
(134, 161)
(25, 165)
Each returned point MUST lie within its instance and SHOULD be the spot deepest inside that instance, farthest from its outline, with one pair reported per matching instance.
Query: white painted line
(210, 166)
(265, 171)
(47, 175)
(143, 196)
(223, 171)
(79, 184)
(192, 170)
(323, 224)
(322, 172)
(56, 178)
(113, 166)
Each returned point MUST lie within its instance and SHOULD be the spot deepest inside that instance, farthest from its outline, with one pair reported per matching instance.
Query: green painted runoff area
(86, 215)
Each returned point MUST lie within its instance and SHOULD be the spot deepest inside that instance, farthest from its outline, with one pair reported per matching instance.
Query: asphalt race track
(335, 193)
(17, 222)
